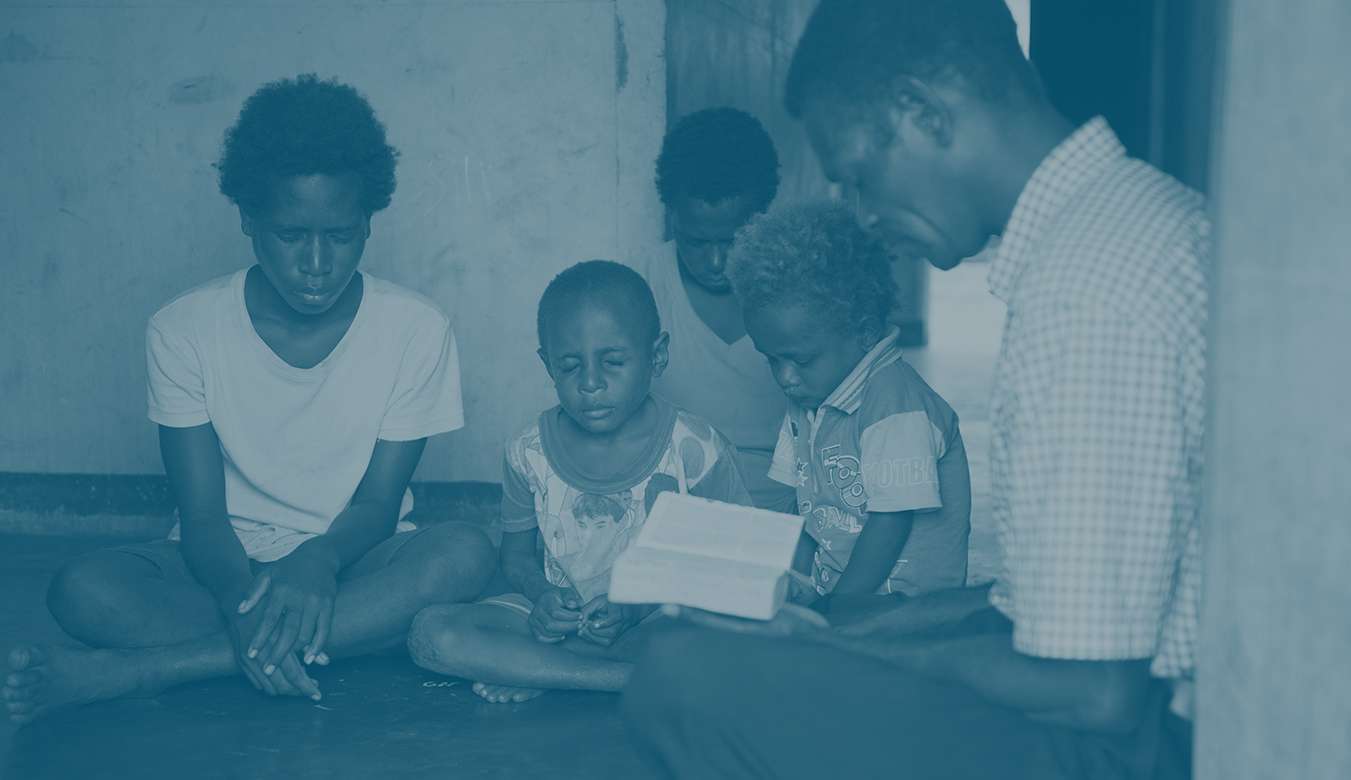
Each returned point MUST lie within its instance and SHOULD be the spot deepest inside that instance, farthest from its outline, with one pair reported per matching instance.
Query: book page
(699, 526)
(648, 576)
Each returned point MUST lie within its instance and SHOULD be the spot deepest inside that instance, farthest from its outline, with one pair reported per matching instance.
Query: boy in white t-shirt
(294, 399)
(717, 169)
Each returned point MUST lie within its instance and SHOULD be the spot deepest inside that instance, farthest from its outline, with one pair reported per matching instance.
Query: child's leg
(493, 646)
(153, 629)
(379, 596)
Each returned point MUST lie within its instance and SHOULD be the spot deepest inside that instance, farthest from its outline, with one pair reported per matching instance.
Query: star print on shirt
(801, 473)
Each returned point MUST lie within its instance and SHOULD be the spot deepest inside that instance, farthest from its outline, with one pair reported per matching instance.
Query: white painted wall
(528, 129)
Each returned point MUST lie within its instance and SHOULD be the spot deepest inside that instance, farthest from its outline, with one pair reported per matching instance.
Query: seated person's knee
(443, 634)
(460, 565)
(668, 671)
(82, 589)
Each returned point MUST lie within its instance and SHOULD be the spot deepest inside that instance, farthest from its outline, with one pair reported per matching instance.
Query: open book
(707, 554)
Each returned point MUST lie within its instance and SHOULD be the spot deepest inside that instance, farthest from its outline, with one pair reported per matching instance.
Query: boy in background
(294, 399)
(716, 170)
(874, 453)
(583, 475)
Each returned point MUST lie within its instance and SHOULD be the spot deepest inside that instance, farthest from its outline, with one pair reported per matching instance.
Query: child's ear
(661, 354)
(246, 222)
(545, 357)
(870, 331)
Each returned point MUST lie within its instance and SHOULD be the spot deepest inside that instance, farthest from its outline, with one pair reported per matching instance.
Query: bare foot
(501, 694)
(50, 678)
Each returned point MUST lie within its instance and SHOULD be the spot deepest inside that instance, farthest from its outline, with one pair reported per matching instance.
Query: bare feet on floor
(502, 694)
(45, 679)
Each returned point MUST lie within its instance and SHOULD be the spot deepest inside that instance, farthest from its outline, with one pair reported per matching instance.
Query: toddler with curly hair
(875, 455)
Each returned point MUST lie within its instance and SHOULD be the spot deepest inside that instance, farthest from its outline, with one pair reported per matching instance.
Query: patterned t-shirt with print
(585, 522)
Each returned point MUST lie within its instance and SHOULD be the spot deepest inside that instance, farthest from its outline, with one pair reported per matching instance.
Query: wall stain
(17, 48)
(200, 89)
(51, 273)
(621, 56)
(73, 214)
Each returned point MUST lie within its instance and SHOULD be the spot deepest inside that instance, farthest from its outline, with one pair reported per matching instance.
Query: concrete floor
(385, 717)
(381, 717)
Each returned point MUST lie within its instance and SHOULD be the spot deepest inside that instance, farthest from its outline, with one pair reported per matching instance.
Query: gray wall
(736, 53)
(528, 131)
(1274, 683)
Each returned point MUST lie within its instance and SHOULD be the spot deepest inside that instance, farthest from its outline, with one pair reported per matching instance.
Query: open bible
(708, 554)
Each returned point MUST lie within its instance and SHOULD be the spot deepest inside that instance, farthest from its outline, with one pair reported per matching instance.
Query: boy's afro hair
(302, 127)
(618, 288)
(852, 50)
(814, 255)
(717, 154)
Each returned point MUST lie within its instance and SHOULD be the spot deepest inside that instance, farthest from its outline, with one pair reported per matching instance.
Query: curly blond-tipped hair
(812, 254)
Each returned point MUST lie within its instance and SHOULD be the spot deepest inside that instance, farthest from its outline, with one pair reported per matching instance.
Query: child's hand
(603, 622)
(801, 589)
(298, 612)
(556, 615)
(289, 679)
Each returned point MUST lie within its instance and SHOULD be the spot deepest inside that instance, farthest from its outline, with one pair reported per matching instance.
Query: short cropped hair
(852, 50)
(717, 154)
(813, 254)
(301, 127)
(618, 288)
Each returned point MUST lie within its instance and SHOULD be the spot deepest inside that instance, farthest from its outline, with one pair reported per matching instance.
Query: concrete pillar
(1274, 679)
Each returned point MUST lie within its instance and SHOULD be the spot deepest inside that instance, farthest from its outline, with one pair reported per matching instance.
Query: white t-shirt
(297, 441)
(730, 385)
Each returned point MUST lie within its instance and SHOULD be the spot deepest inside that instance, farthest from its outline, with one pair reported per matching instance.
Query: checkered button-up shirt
(1098, 408)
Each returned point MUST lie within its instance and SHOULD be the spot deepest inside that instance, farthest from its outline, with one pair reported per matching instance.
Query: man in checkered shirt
(1077, 662)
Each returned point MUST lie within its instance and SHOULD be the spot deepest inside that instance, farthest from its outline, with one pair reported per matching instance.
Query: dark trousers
(707, 704)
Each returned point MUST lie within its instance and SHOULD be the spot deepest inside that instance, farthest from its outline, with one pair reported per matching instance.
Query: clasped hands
(559, 613)
(287, 610)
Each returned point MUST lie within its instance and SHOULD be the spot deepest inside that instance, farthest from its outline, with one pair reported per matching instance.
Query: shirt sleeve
(174, 378)
(899, 455)
(783, 467)
(518, 500)
(426, 398)
(724, 480)
(1095, 487)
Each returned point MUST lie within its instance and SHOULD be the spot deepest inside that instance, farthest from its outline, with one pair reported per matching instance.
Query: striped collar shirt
(1097, 408)
(849, 395)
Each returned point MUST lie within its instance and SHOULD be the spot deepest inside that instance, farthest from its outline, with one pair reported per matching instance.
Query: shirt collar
(1074, 161)
(849, 395)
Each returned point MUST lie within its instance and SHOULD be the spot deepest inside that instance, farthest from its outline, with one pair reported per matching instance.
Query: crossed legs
(493, 645)
(147, 631)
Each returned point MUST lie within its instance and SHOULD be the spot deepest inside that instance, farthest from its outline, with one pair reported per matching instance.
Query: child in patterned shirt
(583, 475)
(875, 454)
